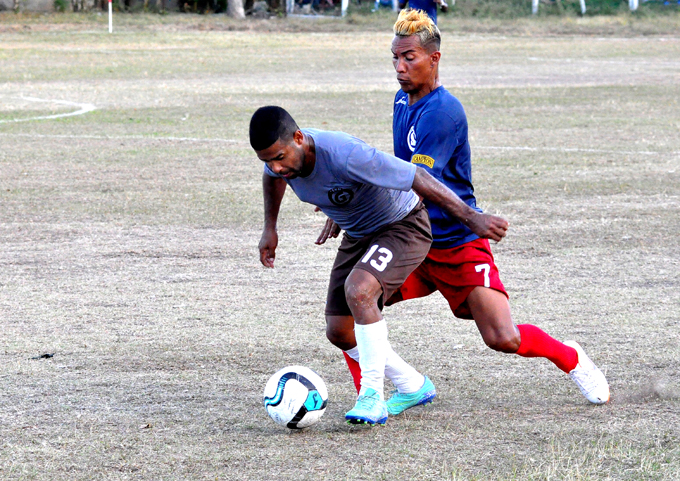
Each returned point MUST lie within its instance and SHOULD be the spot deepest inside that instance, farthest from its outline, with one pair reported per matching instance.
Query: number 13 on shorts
(486, 268)
(381, 262)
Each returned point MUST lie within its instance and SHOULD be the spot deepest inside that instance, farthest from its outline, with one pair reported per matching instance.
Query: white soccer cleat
(588, 377)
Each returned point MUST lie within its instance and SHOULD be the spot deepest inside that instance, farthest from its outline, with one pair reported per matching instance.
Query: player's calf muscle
(502, 343)
(340, 331)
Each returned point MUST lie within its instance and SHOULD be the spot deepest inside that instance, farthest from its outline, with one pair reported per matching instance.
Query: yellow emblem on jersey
(422, 159)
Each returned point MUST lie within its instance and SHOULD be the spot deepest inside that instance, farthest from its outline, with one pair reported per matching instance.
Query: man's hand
(488, 226)
(330, 229)
(267, 246)
(485, 226)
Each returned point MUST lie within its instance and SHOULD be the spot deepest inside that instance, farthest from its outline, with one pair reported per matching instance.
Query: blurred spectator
(381, 3)
(307, 6)
(428, 6)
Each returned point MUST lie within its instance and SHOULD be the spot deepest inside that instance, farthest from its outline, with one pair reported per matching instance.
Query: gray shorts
(390, 254)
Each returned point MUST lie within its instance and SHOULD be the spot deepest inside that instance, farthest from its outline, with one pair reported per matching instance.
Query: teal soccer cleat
(369, 409)
(399, 402)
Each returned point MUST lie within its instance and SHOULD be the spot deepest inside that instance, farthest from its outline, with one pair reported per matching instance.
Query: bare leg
(491, 312)
(362, 291)
(340, 331)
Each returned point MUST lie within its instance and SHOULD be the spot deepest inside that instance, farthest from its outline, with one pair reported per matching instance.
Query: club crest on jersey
(340, 196)
(411, 139)
(401, 101)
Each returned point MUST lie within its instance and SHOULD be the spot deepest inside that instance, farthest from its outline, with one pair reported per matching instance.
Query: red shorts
(455, 273)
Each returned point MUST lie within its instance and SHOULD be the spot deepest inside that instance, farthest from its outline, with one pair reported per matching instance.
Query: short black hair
(269, 124)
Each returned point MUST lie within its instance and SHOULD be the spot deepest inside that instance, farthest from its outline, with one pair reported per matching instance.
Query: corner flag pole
(110, 17)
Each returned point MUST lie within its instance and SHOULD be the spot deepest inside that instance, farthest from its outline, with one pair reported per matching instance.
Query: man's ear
(298, 137)
(435, 57)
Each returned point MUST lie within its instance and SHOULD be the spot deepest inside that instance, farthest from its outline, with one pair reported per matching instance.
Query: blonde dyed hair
(417, 22)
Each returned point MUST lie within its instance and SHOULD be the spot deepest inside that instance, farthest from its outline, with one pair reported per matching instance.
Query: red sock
(536, 343)
(354, 370)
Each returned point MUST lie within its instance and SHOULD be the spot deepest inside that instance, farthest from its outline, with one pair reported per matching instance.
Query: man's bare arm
(273, 189)
(484, 225)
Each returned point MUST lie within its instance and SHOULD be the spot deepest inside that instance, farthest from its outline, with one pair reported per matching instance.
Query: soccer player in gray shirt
(373, 196)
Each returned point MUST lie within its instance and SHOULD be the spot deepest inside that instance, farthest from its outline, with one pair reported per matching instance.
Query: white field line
(120, 137)
(84, 108)
(234, 141)
(567, 149)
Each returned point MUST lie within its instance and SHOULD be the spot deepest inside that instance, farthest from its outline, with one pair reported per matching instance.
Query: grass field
(129, 251)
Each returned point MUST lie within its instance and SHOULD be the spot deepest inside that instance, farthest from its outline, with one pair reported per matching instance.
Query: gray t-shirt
(359, 187)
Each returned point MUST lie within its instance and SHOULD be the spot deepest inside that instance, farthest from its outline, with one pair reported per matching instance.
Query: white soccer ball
(295, 397)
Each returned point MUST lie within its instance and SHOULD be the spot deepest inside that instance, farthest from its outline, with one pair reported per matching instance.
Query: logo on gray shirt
(340, 196)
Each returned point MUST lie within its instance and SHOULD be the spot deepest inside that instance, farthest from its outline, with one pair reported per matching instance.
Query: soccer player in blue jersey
(430, 130)
(374, 197)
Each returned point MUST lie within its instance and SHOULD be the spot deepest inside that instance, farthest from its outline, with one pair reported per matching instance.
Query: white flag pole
(110, 17)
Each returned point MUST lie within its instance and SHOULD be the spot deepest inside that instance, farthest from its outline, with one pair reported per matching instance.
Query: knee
(503, 342)
(359, 295)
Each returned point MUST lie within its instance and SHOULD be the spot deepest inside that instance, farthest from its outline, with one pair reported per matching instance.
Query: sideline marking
(567, 149)
(120, 137)
(84, 108)
(234, 141)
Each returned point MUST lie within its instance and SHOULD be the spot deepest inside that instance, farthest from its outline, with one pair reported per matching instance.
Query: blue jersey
(426, 5)
(433, 134)
(362, 189)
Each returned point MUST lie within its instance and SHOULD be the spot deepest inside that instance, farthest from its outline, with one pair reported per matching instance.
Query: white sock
(404, 377)
(372, 345)
(353, 353)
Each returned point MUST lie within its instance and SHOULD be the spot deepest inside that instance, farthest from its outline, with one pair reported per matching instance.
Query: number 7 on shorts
(486, 268)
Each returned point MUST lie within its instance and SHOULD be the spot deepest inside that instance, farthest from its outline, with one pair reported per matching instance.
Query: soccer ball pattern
(295, 397)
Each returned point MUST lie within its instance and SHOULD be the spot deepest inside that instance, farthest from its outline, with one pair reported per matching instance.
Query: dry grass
(646, 22)
(130, 255)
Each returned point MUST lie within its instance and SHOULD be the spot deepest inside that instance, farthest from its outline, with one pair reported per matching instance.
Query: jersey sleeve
(438, 136)
(371, 166)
